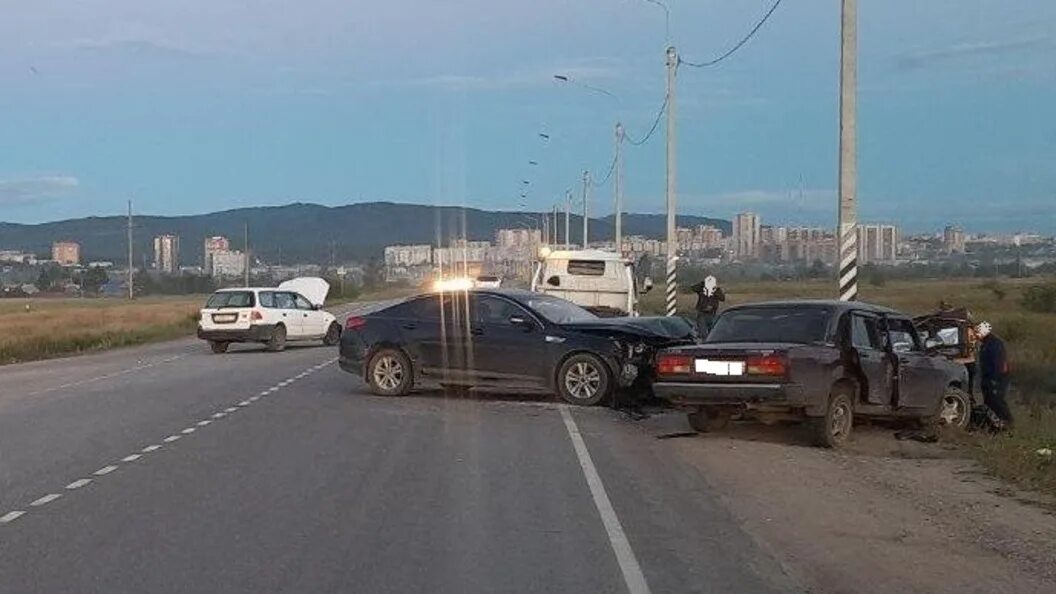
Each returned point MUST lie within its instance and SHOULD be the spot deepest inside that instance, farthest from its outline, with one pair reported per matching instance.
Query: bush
(1040, 299)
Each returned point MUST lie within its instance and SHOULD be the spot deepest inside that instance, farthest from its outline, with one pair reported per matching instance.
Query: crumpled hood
(314, 289)
(649, 327)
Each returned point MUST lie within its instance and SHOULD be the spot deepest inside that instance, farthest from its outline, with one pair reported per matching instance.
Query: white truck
(604, 283)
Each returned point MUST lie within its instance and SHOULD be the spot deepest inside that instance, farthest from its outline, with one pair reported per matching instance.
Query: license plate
(719, 367)
(224, 318)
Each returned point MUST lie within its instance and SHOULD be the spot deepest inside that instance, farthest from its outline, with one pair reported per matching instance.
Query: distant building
(17, 257)
(167, 253)
(104, 264)
(518, 238)
(953, 240)
(211, 246)
(66, 253)
(227, 263)
(877, 244)
(408, 255)
(746, 237)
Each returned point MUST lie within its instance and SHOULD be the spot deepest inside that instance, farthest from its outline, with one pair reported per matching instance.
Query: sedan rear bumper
(692, 393)
(256, 333)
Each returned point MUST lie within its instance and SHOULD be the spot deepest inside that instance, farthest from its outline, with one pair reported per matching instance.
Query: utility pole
(848, 217)
(672, 242)
(245, 237)
(568, 219)
(556, 228)
(617, 187)
(131, 294)
(586, 202)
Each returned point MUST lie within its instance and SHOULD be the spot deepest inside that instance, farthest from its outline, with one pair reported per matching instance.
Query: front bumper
(256, 333)
(702, 394)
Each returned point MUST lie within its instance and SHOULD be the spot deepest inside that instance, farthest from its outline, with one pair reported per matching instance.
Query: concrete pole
(617, 187)
(568, 219)
(586, 205)
(848, 182)
(131, 294)
(245, 257)
(672, 243)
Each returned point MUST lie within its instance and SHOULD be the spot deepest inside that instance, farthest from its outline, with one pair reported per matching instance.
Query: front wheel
(834, 429)
(955, 410)
(707, 420)
(583, 379)
(333, 335)
(277, 342)
(389, 373)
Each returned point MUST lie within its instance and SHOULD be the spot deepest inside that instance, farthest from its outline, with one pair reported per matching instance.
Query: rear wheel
(834, 429)
(389, 373)
(333, 335)
(219, 346)
(955, 409)
(583, 379)
(707, 419)
(277, 342)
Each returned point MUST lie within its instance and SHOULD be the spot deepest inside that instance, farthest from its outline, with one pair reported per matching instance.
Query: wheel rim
(583, 380)
(953, 410)
(839, 425)
(388, 373)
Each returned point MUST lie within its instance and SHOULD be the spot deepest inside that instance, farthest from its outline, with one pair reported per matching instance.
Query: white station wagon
(293, 311)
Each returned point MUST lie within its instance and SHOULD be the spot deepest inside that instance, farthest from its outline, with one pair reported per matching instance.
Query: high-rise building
(66, 253)
(746, 235)
(518, 238)
(953, 239)
(211, 246)
(877, 243)
(167, 253)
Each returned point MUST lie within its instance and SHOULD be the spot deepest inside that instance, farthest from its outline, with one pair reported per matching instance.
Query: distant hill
(305, 232)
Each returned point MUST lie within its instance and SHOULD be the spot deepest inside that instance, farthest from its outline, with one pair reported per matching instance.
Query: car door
(919, 379)
(421, 331)
(311, 319)
(874, 361)
(506, 341)
(287, 314)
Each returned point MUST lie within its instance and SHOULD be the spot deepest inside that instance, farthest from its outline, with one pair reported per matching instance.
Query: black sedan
(505, 338)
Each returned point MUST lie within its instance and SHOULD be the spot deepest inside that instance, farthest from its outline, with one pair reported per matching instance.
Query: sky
(202, 105)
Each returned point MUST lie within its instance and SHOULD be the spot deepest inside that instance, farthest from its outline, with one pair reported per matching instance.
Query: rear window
(804, 325)
(223, 299)
(586, 267)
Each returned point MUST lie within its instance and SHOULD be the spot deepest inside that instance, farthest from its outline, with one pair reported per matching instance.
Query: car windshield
(557, 310)
(222, 299)
(797, 324)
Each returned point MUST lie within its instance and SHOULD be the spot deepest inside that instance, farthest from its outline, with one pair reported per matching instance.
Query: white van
(602, 282)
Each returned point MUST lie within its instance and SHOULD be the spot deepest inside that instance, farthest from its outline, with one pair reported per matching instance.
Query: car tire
(955, 410)
(708, 419)
(218, 346)
(333, 335)
(584, 380)
(389, 373)
(277, 342)
(834, 428)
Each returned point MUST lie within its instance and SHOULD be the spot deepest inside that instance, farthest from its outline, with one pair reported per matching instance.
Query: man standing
(993, 372)
(709, 295)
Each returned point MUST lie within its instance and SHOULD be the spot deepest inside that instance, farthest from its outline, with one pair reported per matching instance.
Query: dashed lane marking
(189, 430)
(131, 458)
(77, 484)
(105, 470)
(11, 516)
(203, 422)
(171, 438)
(151, 448)
(46, 499)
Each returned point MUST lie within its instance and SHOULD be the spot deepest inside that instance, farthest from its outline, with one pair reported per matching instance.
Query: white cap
(983, 328)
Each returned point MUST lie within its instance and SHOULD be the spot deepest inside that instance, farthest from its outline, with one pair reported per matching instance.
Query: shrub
(1040, 299)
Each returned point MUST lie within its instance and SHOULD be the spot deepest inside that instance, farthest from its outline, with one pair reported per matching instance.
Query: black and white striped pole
(847, 237)
(672, 238)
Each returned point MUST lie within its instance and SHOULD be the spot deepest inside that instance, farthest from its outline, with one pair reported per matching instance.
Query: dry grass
(1029, 336)
(57, 327)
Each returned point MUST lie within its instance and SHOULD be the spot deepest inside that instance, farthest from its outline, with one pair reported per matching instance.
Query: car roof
(831, 303)
(585, 255)
(253, 289)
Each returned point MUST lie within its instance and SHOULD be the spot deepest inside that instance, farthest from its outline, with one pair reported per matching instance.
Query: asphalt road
(169, 469)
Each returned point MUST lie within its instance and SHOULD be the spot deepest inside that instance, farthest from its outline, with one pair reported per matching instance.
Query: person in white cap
(993, 371)
(709, 296)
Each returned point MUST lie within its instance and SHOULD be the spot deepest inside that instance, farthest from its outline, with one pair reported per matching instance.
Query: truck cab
(604, 283)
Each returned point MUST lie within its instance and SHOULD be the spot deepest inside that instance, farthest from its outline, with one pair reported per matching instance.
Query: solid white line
(104, 470)
(632, 571)
(77, 484)
(11, 516)
(171, 438)
(151, 448)
(46, 499)
(131, 458)
(188, 430)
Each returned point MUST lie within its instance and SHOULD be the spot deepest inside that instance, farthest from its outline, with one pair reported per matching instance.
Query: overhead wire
(656, 124)
(738, 45)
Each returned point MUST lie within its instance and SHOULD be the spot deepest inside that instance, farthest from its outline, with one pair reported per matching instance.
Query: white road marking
(131, 458)
(171, 438)
(46, 499)
(188, 430)
(151, 448)
(264, 393)
(219, 414)
(77, 484)
(11, 516)
(632, 571)
(254, 398)
(230, 409)
(104, 470)
(203, 423)
(106, 376)
(244, 403)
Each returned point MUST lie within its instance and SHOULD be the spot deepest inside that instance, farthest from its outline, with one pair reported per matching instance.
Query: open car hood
(313, 288)
(674, 328)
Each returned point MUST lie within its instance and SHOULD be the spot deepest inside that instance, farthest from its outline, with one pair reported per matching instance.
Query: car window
(586, 267)
(222, 299)
(284, 301)
(427, 308)
(795, 323)
(493, 310)
(903, 335)
(864, 332)
(558, 310)
(267, 298)
(301, 302)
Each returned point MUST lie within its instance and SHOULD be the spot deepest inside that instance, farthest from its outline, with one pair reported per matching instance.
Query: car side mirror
(554, 281)
(522, 322)
(317, 306)
(647, 285)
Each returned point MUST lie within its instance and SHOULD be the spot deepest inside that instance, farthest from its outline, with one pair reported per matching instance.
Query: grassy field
(1030, 338)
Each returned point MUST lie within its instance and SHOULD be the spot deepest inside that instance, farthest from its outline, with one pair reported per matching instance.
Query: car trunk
(735, 362)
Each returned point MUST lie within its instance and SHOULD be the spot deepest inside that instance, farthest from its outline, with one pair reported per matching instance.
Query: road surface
(169, 469)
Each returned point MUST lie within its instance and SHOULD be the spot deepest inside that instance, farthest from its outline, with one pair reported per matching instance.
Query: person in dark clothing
(993, 372)
(709, 296)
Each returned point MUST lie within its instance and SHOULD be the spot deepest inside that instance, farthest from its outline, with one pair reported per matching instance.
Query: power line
(656, 123)
(739, 43)
(612, 166)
